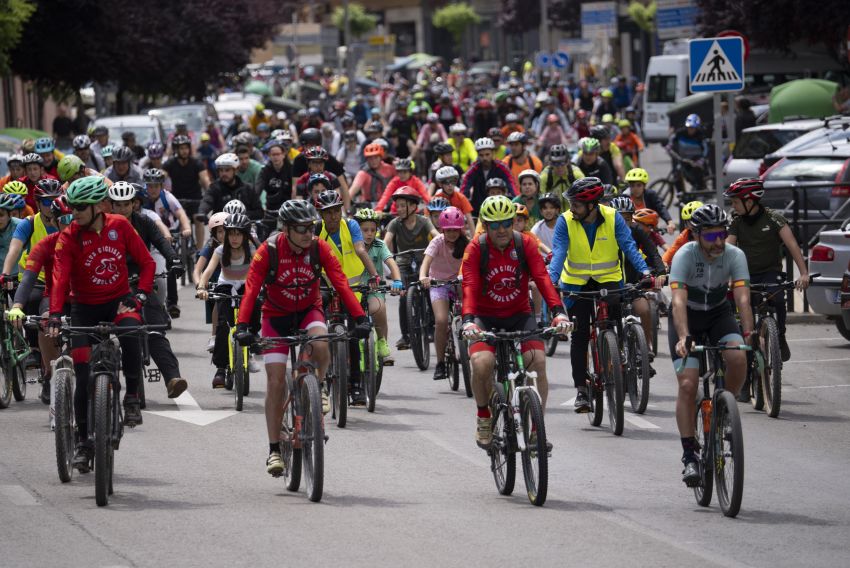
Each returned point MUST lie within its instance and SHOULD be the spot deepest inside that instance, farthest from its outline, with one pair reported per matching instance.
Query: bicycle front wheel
(637, 368)
(612, 369)
(452, 365)
(312, 438)
(595, 386)
(772, 375)
(339, 378)
(19, 372)
(535, 458)
(727, 439)
(369, 355)
(463, 358)
(665, 190)
(238, 371)
(503, 451)
(7, 370)
(103, 449)
(63, 381)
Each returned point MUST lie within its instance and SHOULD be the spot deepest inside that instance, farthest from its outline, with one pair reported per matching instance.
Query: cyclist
(123, 168)
(520, 159)
(560, 174)
(647, 222)
(188, 177)
(15, 163)
(316, 157)
(760, 232)
(629, 142)
(447, 178)
(121, 196)
(106, 154)
(275, 178)
(442, 261)
(8, 224)
(496, 269)
(591, 164)
(216, 229)
(688, 147)
(550, 210)
(607, 151)
(91, 263)
(21, 210)
(72, 167)
(373, 177)
(227, 187)
(292, 302)
(82, 150)
(435, 207)
(644, 198)
(529, 188)
(35, 172)
(686, 235)
(153, 156)
(309, 138)
(464, 151)
(46, 148)
(486, 167)
(586, 256)
(700, 279)
(404, 176)
(444, 157)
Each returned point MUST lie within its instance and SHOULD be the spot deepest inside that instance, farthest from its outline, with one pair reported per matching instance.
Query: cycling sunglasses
(714, 236)
(80, 206)
(46, 201)
(496, 225)
(301, 229)
(65, 219)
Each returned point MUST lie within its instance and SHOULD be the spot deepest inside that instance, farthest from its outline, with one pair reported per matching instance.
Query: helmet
(374, 128)
(624, 123)
(521, 209)
(16, 187)
(122, 191)
(297, 212)
(637, 174)
(511, 117)
(497, 208)
(452, 218)
(263, 127)
(407, 192)
(100, 131)
(123, 154)
(155, 150)
(9, 201)
(432, 117)
(646, 217)
(586, 190)
(484, 144)
(241, 139)
(15, 158)
(689, 208)
(153, 175)
(589, 145)
(328, 199)
(693, 121)
(69, 166)
(180, 140)
(599, 132)
(316, 153)
(141, 192)
(33, 158)
(709, 215)
(529, 173)
(494, 133)
(89, 190)
(81, 142)
(228, 160)
(553, 118)
(607, 117)
(623, 204)
(550, 198)
(234, 206)
(373, 149)
(517, 137)
(238, 221)
(367, 214)
(443, 148)
(446, 173)
(457, 128)
(496, 182)
(47, 188)
(558, 154)
(180, 123)
(106, 151)
(318, 179)
(60, 206)
(311, 136)
(403, 165)
(216, 220)
(44, 145)
(438, 204)
(746, 188)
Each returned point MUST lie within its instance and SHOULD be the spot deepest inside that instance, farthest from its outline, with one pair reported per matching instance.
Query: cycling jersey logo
(501, 284)
(275, 183)
(294, 279)
(112, 234)
(103, 265)
(513, 254)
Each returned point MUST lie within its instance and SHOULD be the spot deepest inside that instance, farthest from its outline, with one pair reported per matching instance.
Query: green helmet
(588, 145)
(497, 208)
(16, 187)
(89, 190)
(106, 151)
(367, 215)
(69, 166)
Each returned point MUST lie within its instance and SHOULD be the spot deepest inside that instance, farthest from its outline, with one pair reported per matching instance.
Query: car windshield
(192, 115)
(755, 145)
(807, 169)
(144, 134)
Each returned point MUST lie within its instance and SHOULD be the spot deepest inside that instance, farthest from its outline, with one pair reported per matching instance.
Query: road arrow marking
(190, 411)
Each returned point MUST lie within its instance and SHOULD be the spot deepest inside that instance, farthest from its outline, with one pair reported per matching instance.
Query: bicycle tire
(339, 396)
(728, 443)
(19, 372)
(142, 380)
(190, 264)
(7, 369)
(665, 190)
(64, 422)
(772, 378)
(246, 368)
(637, 368)
(312, 438)
(595, 394)
(290, 455)
(551, 345)
(103, 449)
(755, 379)
(414, 329)
(238, 374)
(452, 365)
(503, 451)
(703, 491)
(610, 357)
(656, 325)
(369, 353)
(531, 414)
(463, 357)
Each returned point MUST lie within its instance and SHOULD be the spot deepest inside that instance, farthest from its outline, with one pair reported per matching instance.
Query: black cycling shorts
(719, 324)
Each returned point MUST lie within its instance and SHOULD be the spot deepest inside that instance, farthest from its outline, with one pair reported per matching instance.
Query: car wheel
(842, 327)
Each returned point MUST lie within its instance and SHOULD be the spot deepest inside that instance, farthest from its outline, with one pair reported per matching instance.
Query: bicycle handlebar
(301, 338)
(601, 293)
(439, 283)
(785, 285)
(409, 251)
(495, 336)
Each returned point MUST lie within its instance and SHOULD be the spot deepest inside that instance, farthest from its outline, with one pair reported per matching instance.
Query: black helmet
(599, 132)
(709, 215)
(123, 154)
(328, 199)
(443, 148)
(550, 198)
(237, 221)
(311, 136)
(297, 212)
(180, 140)
(586, 190)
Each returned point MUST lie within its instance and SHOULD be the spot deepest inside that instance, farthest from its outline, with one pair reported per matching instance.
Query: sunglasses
(714, 236)
(496, 225)
(80, 206)
(301, 229)
(46, 201)
(65, 219)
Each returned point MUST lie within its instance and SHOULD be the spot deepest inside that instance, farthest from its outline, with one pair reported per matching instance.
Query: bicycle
(718, 432)
(635, 354)
(551, 342)
(420, 324)
(371, 366)
(186, 252)
(303, 435)
(457, 350)
(238, 374)
(517, 418)
(336, 377)
(14, 352)
(148, 375)
(673, 187)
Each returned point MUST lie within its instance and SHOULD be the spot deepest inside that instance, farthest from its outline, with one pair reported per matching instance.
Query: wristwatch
(141, 297)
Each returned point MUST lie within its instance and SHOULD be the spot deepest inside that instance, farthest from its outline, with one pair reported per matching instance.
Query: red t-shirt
(396, 183)
(41, 257)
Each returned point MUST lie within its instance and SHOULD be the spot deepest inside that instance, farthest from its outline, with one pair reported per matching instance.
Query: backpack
(550, 177)
(271, 275)
(485, 258)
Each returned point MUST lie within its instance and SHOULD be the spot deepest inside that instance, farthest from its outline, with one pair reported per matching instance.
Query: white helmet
(446, 173)
(529, 173)
(217, 220)
(484, 144)
(457, 127)
(228, 160)
(122, 191)
(234, 206)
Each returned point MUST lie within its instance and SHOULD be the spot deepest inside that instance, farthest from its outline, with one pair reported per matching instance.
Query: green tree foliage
(456, 18)
(359, 20)
(643, 14)
(13, 15)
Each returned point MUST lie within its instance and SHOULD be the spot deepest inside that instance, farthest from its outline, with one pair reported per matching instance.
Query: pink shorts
(279, 326)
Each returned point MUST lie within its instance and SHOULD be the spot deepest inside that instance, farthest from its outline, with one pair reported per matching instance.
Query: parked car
(228, 109)
(830, 257)
(146, 128)
(835, 129)
(195, 115)
(843, 323)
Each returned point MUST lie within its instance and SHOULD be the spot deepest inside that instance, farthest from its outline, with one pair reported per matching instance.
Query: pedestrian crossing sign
(716, 64)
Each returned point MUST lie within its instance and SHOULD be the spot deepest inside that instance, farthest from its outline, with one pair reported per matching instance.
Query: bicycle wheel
(755, 376)
(414, 325)
(702, 433)
(595, 388)
(246, 368)
(727, 440)
(63, 381)
(19, 373)
(103, 449)
(312, 438)
(452, 365)
(637, 368)
(535, 458)
(7, 369)
(339, 384)
(290, 455)
(142, 380)
(238, 371)
(503, 451)
(772, 377)
(665, 190)
(463, 358)
(656, 325)
(613, 374)
(551, 345)
(369, 355)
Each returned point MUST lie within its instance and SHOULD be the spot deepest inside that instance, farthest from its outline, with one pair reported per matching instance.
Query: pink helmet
(452, 218)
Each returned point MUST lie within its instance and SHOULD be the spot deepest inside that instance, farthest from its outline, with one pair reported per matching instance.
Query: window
(662, 89)
(807, 169)
(755, 145)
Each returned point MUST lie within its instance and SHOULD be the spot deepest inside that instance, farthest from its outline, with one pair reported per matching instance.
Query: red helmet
(483, 104)
(60, 206)
(373, 149)
(407, 192)
(586, 190)
(316, 153)
(745, 188)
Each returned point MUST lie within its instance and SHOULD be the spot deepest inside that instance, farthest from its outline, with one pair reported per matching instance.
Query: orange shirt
(531, 163)
(684, 237)
(456, 199)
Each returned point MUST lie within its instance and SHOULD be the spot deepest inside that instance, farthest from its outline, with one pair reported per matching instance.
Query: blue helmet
(693, 121)
(44, 145)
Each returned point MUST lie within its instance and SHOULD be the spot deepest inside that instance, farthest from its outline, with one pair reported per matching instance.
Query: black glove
(134, 301)
(54, 323)
(243, 334)
(648, 281)
(177, 268)
(362, 328)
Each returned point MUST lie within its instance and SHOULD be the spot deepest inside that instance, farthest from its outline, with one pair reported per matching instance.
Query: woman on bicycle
(644, 198)
(216, 228)
(442, 262)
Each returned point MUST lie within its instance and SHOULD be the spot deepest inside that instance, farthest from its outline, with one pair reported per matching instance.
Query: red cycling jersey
(296, 287)
(495, 294)
(41, 257)
(94, 265)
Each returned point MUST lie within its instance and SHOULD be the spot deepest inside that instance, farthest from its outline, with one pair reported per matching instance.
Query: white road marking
(18, 496)
(569, 402)
(641, 423)
(817, 360)
(817, 339)
(190, 411)
(825, 387)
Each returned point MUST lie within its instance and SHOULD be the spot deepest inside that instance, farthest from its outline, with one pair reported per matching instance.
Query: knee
(688, 385)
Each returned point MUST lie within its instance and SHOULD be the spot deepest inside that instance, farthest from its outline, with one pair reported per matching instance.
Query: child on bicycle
(529, 187)
(550, 210)
(381, 256)
(647, 220)
(216, 228)
(435, 209)
(645, 198)
(521, 225)
(686, 235)
(442, 261)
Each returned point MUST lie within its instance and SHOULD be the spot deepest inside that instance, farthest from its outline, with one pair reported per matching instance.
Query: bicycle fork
(515, 404)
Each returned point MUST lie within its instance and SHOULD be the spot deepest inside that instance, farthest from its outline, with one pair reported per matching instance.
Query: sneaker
(388, 361)
(484, 432)
(176, 387)
(274, 464)
(383, 348)
(784, 349)
(211, 344)
(174, 311)
(402, 344)
(358, 397)
(218, 379)
(253, 366)
(532, 443)
(132, 411)
(83, 456)
(326, 399)
(45, 391)
(690, 475)
(582, 403)
(440, 371)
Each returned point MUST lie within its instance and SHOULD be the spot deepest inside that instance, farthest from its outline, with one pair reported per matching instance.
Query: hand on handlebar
(471, 331)
(397, 288)
(425, 282)
(803, 282)
(201, 293)
(243, 335)
(562, 324)
(186, 233)
(54, 325)
(16, 316)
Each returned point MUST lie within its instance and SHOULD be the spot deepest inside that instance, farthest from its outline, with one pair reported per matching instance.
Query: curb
(808, 318)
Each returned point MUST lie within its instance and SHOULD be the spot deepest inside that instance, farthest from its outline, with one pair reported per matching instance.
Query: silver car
(830, 257)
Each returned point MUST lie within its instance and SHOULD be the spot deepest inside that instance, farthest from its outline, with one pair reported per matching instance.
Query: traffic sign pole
(718, 150)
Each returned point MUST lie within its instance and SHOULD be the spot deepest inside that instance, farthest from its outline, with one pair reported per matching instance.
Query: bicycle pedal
(327, 438)
(154, 375)
(388, 363)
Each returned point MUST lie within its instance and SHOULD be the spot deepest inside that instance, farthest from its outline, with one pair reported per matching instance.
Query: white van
(666, 82)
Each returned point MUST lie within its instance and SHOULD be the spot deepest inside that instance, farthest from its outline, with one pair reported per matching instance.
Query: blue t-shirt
(6, 238)
(353, 228)
(207, 252)
(25, 228)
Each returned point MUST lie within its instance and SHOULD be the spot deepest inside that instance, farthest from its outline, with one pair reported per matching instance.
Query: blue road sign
(544, 59)
(716, 64)
(560, 59)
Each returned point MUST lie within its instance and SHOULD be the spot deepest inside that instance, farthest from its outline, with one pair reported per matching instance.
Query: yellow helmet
(497, 208)
(689, 208)
(16, 187)
(637, 174)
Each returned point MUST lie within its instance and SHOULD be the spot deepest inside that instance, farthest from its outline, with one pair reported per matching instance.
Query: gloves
(562, 323)
(471, 331)
(54, 324)
(362, 328)
(8, 281)
(374, 281)
(648, 281)
(15, 314)
(134, 301)
(548, 258)
(177, 268)
(243, 334)
(397, 286)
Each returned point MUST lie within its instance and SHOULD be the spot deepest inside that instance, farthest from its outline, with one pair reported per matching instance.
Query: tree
(643, 14)
(455, 19)
(13, 16)
(359, 21)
